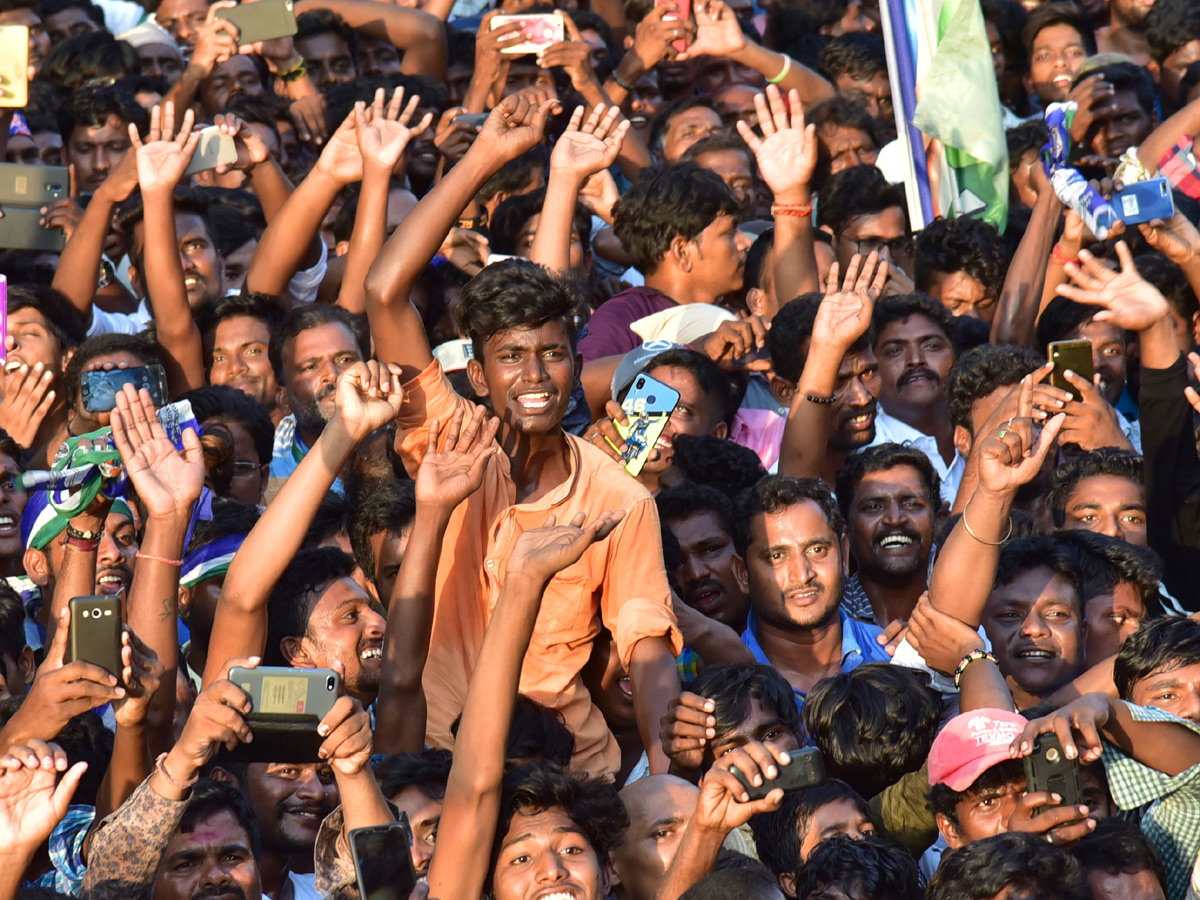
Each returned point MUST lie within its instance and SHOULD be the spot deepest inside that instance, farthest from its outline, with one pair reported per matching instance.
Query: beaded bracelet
(971, 657)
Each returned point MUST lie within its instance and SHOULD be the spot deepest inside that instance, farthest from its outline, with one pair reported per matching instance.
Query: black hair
(136, 84)
(535, 732)
(839, 111)
(94, 58)
(1114, 461)
(686, 500)
(873, 868)
(515, 211)
(960, 244)
(881, 458)
(661, 123)
(229, 517)
(859, 54)
(749, 881)
(312, 22)
(331, 520)
(778, 834)
(680, 200)
(62, 319)
(217, 402)
(712, 381)
(591, 803)
(1026, 136)
(732, 686)
(586, 20)
(1171, 24)
(1039, 552)
(1187, 84)
(296, 593)
(1126, 76)
(12, 625)
(1116, 561)
(102, 345)
(515, 293)
(313, 315)
(1168, 277)
(267, 308)
(8, 5)
(723, 140)
(9, 447)
(188, 201)
(427, 771)
(856, 192)
(1009, 18)
(776, 493)
(1016, 864)
(943, 799)
(717, 462)
(873, 724)
(1160, 645)
(787, 341)
(232, 228)
(210, 797)
(84, 739)
(905, 306)
(90, 107)
(54, 7)
(1117, 846)
(1061, 320)
(1060, 12)
(515, 175)
(979, 372)
(755, 271)
(390, 508)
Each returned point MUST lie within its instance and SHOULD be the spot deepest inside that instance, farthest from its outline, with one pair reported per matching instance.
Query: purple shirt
(608, 331)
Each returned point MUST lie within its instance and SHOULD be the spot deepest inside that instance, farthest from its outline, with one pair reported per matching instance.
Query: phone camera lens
(641, 383)
(95, 613)
(329, 683)
(651, 399)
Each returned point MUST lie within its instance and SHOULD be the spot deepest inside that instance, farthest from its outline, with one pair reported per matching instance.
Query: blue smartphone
(1144, 201)
(648, 406)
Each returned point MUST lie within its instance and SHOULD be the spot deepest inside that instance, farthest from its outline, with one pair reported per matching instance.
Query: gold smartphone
(14, 66)
(1073, 355)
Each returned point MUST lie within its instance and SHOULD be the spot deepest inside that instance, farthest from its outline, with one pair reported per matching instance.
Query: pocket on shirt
(567, 607)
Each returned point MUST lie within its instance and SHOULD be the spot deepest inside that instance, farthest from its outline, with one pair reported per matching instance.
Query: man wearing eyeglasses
(865, 214)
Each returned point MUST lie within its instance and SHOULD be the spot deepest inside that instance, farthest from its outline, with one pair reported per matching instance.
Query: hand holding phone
(538, 30)
(1047, 769)
(94, 634)
(101, 386)
(1144, 201)
(648, 407)
(383, 860)
(262, 20)
(805, 769)
(1073, 355)
(286, 707)
(216, 148)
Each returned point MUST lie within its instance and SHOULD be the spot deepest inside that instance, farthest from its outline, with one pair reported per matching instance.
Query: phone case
(683, 12)
(383, 860)
(99, 387)
(32, 186)
(14, 66)
(806, 769)
(648, 406)
(1048, 769)
(21, 229)
(1073, 355)
(286, 707)
(1144, 201)
(539, 30)
(215, 148)
(262, 20)
(95, 632)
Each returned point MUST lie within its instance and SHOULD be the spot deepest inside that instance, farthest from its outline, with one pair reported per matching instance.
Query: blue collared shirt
(858, 646)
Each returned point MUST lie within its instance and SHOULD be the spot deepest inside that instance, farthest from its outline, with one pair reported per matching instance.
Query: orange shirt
(621, 578)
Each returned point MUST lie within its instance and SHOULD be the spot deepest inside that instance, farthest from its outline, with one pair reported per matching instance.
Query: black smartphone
(286, 706)
(383, 860)
(805, 769)
(24, 190)
(101, 386)
(1049, 769)
(1073, 355)
(94, 634)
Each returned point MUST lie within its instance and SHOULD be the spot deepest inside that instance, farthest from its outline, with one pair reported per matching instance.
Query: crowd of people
(367, 416)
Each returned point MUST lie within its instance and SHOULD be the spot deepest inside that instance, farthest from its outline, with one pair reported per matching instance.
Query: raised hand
(1090, 422)
(573, 56)
(384, 133)
(448, 476)
(1128, 300)
(687, 728)
(736, 339)
(32, 798)
(724, 803)
(656, 34)
(1009, 456)
(217, 720)
(167, 481)
(217, 40)
(845, 312)
(1177, 239)
(163, 157)
(589, 146)
(341, 160)
(251, 151)
(717, 31)
(515, 126)
(541, 553)
(453, 137)
(347, 732)
(141, 674)
(787, 151)
(28, 398)
(368, 397)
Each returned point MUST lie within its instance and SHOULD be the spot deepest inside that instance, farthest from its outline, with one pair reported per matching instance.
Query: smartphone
(805, 770)
(286, 705)
(471, 119)
(14, 66)
(32, 186)
(101, 386)
(262, 20)
(683, 12)
(215, 148)
(94, 634)
(383, 860)
(1144, 201)
(1048, 769)
(648, 406)
(21, 229)
(1073, 355)
(539, 30)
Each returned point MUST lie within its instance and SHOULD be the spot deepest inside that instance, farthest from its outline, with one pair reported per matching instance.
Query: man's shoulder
(637, 301)
(603, 479)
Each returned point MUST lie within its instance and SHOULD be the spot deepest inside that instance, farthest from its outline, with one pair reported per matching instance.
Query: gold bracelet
(967, 525)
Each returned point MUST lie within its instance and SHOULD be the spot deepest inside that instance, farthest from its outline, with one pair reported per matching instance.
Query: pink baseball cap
(970, 744)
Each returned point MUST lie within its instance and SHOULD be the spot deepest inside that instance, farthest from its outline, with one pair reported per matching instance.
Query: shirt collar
(852, 653)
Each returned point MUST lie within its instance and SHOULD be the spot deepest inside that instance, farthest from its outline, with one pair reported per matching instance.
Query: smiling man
(236, 334)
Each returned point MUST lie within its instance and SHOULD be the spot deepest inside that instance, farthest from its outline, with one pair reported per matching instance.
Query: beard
(308, 410)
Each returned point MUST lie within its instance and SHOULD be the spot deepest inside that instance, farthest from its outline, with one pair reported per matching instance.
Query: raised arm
(382, 136)
(216, 42)
(585, 148)
(161, 161)
(445, 479)
(1017, 310)
(1156, 145)
(513, 127)
(421, 36)
(367, 399)
(472, 803)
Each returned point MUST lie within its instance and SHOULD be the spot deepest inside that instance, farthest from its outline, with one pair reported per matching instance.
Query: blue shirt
(858, 646)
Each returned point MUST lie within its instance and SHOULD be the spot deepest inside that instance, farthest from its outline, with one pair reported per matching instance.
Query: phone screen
(383, 860)
(101, 386)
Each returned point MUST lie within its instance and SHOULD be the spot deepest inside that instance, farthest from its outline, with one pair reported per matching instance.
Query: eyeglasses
(243, 467)
(895, 247)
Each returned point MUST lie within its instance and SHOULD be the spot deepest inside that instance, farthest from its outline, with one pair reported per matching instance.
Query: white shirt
(891, 430)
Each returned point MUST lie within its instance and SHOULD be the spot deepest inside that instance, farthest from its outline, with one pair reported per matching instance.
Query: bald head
(659, 808)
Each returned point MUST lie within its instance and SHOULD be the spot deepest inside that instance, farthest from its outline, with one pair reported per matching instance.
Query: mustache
(921, 372)
(324, 392)
(853, 412)
(227, 890)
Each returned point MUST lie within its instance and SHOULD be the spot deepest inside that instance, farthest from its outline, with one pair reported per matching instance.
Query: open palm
(341, 160)
(384, 133)
(31, 804)
(450, 475)
(787, 151)
(165, 479)
(164, 156)
(1129, 301)
(544, 552)
(717, 31)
